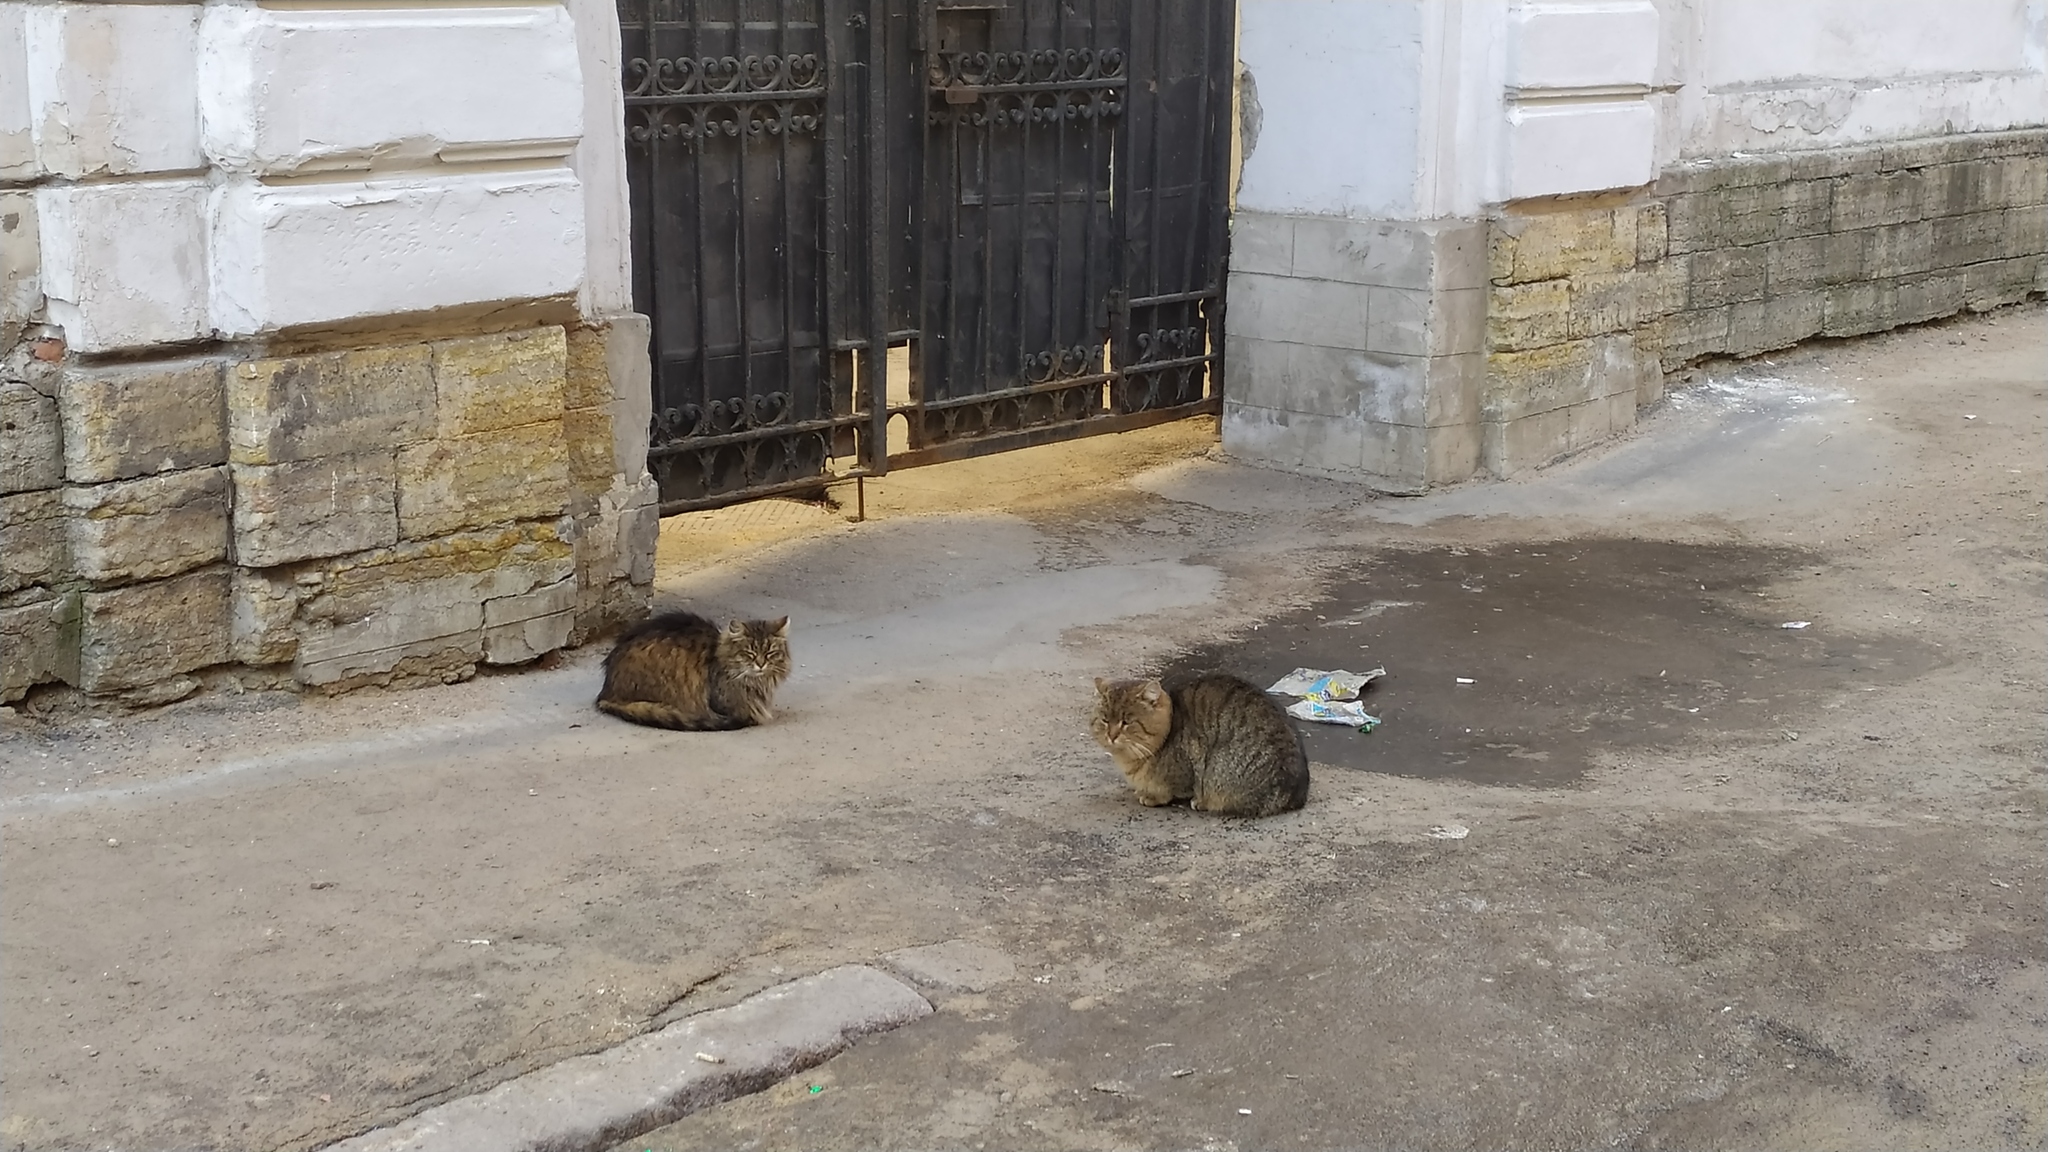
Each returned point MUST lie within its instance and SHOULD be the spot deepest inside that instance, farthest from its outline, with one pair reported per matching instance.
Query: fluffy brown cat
(679, 670)
(1215, 741)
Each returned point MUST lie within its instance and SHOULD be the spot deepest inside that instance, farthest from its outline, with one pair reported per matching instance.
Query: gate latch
(962, 94)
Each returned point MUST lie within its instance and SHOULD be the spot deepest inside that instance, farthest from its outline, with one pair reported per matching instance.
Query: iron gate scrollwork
(1026, 195)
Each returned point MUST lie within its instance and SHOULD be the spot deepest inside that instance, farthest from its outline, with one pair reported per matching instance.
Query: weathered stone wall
(1591, 301)
(383, 514)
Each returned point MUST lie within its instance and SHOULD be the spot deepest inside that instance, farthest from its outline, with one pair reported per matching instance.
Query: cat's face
(756, 649)
(1131, 716)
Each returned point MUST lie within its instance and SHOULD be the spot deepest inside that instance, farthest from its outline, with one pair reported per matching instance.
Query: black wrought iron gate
(1028, 196)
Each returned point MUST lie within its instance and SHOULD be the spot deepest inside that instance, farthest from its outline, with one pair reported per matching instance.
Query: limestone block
(489, 478)
(586, 381)
(1896, 249)
(124, 264)
(134, 636)
(1684, 337)
(134, 419)
(2017, 181)
(1603, 302)
(34, 546)
(1778, 322)
(1653, 237)
(1803, 208)
(1874, 198)
(1856, 309)
(1923, 298)
(261, 606)
(112, 88)
(306, 407)
(310, 508)
(1981, 236)
(38, 643)
(504, 380)
(589, 433)
(1810, 261)
(529, 625)
(148, 528)
(21, 261)
(1520, 384)
(430, 82)
(31, 443)
(1529, 315)
(1510, 447)
(1558, 245)
(298, 254)
(629, 369)
(1999, 282)
(1725, 275)
(417, 609)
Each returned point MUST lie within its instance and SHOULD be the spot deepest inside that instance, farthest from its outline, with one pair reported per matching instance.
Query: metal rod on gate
(877, 365)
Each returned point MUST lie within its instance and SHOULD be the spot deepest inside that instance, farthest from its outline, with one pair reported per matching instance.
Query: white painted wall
(228, 170)
(1335, 89)
(1418, 109)
(1760, 75)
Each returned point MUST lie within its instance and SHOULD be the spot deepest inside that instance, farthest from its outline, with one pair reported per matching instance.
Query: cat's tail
(656, 715)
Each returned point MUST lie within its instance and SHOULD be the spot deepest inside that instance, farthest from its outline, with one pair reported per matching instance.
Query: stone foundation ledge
(381, 515)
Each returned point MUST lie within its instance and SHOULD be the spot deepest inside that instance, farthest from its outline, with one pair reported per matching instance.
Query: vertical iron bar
(832, 250)
(1158, 106)
(988, 241)
(956, 115)
(1023, 293)
(699, 152)
(876, 367)
(788, 247)
(1223, 73)
(1062, 101)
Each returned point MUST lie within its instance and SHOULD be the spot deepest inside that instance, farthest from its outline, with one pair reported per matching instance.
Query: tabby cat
(1214, 740)
(679, 670)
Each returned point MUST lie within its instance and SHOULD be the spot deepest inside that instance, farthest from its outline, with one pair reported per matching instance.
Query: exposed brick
(1684, 337)
(1603, 302)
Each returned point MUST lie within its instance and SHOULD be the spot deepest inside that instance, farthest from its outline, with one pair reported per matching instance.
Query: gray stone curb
(594, 1101)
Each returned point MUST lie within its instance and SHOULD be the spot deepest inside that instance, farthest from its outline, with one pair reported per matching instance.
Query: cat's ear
(736, 629)
(1153, 692)
(782, 627)
(1101, 686)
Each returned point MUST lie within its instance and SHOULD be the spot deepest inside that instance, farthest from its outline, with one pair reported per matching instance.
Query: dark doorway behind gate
(1029, 195)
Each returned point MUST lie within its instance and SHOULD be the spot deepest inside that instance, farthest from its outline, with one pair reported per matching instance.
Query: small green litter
(817, 1088)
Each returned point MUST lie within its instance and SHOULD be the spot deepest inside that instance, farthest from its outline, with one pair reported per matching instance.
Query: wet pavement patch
(1569, 647)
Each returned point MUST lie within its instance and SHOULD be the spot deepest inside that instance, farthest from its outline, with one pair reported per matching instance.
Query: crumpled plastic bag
(1315, 684)
(1329, 697)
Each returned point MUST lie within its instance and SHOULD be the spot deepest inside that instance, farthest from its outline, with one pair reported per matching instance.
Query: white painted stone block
(124, 264)
(319, 253)
(17, 146)
(112, 89)
(300, 91)
(1582, 45)
(1555, 149)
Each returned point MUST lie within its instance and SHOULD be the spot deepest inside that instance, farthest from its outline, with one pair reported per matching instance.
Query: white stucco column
(1358, 262)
